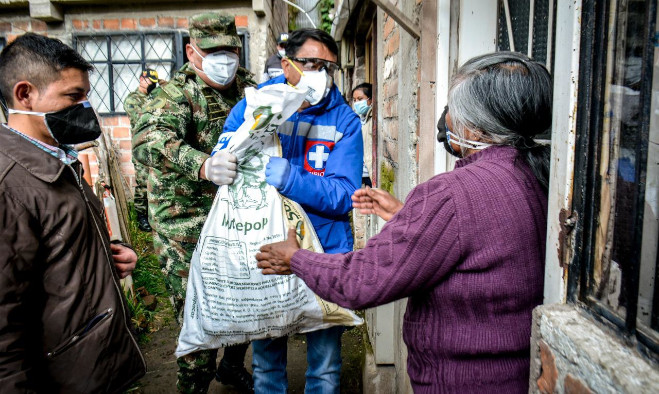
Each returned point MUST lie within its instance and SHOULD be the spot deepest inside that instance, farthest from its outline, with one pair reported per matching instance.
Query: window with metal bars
(119, 59)
(614, 266)
(527, 26)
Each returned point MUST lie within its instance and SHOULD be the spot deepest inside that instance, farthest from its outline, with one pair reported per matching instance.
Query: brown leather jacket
(64, 324)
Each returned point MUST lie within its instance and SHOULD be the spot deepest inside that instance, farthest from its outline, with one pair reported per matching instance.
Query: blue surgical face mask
(361, 107)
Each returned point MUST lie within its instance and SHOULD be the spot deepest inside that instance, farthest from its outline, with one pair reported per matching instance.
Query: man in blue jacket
(320, 168)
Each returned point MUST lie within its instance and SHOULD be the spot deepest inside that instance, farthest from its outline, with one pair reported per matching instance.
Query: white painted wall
(566, 79)
(466, 28)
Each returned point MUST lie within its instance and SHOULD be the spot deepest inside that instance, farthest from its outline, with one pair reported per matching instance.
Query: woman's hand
(376, 201)
(276, 258)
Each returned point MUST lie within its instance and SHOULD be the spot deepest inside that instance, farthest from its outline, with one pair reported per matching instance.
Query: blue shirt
(323, 143)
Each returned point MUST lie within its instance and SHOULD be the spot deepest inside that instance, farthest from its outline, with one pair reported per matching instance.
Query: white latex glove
(221, 168)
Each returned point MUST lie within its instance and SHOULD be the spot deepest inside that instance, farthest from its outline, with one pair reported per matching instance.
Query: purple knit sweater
(468, 250)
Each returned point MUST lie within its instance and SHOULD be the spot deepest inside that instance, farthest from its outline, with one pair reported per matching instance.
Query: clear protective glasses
(315, 64)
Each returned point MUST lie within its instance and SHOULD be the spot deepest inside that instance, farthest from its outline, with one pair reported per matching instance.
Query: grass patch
(353, 353)
(148, 281)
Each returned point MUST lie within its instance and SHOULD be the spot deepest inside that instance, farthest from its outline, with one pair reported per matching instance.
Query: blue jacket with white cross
(323, 144)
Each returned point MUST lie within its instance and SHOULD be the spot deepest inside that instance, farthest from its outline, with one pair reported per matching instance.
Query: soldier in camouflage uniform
(133, 104)
(175, 134)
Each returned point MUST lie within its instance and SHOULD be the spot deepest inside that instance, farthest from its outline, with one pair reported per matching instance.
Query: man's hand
(277, 171)
(376, 201)
(124, 258)
(220, 168)
(276, 258)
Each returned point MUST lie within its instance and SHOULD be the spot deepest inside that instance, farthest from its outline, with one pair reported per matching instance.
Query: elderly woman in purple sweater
(467, 247)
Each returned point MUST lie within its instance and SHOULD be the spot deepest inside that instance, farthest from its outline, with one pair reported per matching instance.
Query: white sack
(228, 300)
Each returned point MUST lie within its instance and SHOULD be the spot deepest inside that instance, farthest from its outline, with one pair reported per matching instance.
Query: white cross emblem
(319, 156)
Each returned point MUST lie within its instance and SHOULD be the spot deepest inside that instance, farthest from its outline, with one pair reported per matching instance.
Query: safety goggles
(315, 64)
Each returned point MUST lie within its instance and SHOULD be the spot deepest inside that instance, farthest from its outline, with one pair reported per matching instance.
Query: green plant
(326, 17)
(148, 279)
(353, 353)
(140, 316)
(292, 16)
(387, 177)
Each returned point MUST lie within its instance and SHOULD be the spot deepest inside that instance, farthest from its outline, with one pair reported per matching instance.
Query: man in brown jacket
(64, 325)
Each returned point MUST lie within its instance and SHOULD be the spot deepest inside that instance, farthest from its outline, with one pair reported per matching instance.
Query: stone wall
(571, 353)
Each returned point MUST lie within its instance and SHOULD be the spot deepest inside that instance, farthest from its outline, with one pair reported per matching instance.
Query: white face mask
(465, 143)
(220, 67)
(282, 52)
(316, 83)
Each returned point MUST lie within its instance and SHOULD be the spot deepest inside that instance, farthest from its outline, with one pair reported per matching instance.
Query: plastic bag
(228, 300)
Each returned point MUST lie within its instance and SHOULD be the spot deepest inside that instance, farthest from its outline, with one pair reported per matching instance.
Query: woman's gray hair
(504, 98)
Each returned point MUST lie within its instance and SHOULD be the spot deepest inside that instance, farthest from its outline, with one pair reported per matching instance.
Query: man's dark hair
(297, 38)
(37, 59)
(366, 88)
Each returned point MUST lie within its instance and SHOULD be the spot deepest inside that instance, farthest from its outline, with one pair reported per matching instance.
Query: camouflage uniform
(174, 136)
(133, 104)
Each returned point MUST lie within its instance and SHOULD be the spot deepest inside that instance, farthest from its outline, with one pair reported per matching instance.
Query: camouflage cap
(212, 30)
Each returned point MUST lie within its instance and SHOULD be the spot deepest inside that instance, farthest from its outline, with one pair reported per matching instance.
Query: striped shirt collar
(65, 153)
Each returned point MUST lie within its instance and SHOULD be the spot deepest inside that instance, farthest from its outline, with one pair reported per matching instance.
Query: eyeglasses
(315, 64)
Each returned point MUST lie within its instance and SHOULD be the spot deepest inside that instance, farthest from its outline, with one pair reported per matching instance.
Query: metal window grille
(527, 26)
(613, 268)
(119, 59)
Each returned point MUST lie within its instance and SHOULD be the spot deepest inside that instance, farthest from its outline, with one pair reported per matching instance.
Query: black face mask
(442, 136)
(75, 124)
(71, 125)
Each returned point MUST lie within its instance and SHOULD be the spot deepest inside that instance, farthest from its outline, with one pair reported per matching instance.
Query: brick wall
(388, 95)
(96, 23)
(12, 29)
(118, 128)
(398, 108)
